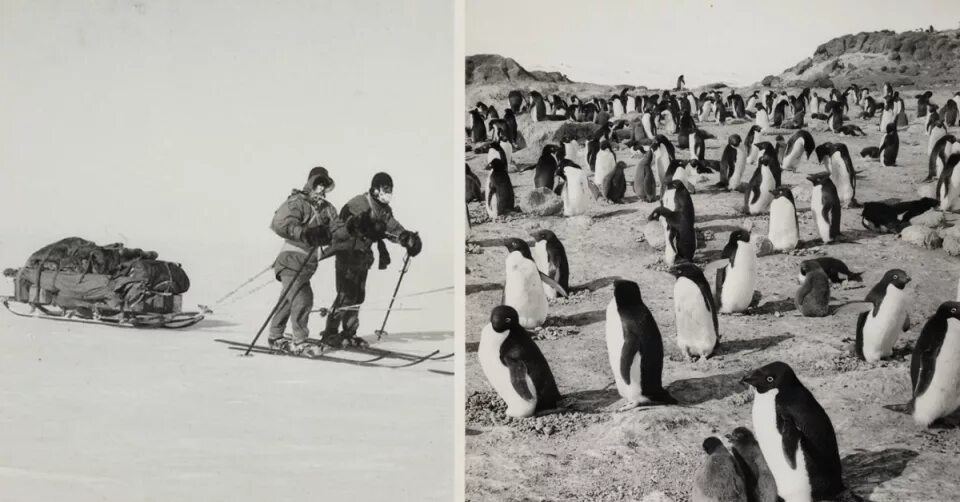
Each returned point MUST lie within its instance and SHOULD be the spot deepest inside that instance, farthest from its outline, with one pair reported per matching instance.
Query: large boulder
(762, 245)
(921, 236)
(928, 190)
(930, 219)
(541, 202)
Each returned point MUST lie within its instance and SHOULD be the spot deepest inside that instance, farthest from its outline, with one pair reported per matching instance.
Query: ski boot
(353, 340)
(333, 340)
(304, 349)
(279, 344)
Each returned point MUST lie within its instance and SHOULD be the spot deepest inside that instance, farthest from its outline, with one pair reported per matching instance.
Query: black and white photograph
(227, 236)
(712, 251)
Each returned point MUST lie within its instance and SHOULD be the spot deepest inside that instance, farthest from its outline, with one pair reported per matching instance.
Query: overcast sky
(651, 42)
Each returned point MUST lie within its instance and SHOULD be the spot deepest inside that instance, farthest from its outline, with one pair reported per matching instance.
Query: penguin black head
(685, 269)
(657, 213)
(775, 375)
(740, 234)
(897, 277)
(549, 150)
(626, 292)
(504, 317)
(519, 246)
(948, 310)
(754, 129)
(497, 165)
(818, 178)
(823, 151)
(604, 144)
(741, 435)
(807, 266)
(734, 140)
(544, 235)
(783, 191)
(712, 444)
(891, 128)
(676, 185)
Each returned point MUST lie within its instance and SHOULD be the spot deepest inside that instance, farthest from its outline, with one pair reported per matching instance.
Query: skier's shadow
(865, 471)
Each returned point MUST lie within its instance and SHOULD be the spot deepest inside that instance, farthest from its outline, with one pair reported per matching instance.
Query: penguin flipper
(721, 278)
(858, 342)
(518, 376)
(553, 284)
(789, 437)
(630, 351)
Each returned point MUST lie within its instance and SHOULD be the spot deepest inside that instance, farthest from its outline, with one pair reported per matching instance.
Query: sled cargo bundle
(112, 283)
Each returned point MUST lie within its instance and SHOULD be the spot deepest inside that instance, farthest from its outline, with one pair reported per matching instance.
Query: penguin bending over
(784, 226)
(836, 270)
(551, 259)
(940, 151)
(635, 347)
(719, 479)
(514, 365)
(879, 328)
(523, 289)
(825, 206)
(800, 145)
(698, 331)
(736, 280)
(935, 366)
(795, 435)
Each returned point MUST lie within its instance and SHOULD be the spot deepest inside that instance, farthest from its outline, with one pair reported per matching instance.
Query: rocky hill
(921, 58)
(492, 69)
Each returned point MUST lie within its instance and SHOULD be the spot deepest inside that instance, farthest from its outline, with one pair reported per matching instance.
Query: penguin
(515, 99)
(538, 111)
(473, 186)
(948, 186)
(939, 153)
(735, 281)
(935, 131)
(888, 149)
(825, 206)
(840, 166)
(571, 149)
(672, 228)
(478, 130)
(663, 154)
(949, 112)
(685, 130)
(500, 198)
(813, 296)
(781, 148)
(935, 366)
(758, 197)
(576, 194)
(502, 150)
(779, 112)
(649, 125)
(784, 227)
(698, 333)
(644, 183)
(677, 171)
(511, 121)
(795, 435)
(635, 347)
(728, 161)
(677, 199)
(887, 117)
(761, 487)
(743, 150)
(800, 146)
(604, 164)
(669, 124)
(514, 365)
(762, 120)
(546, 167)
(879, 328)
(836, 270)
(892, 218)
(551, 259)
(614, 186)
(719, 479)
(523, 289)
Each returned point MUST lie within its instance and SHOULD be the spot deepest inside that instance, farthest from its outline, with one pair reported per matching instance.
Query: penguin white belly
(647, 126)
(577, 194)
(841, 178)
(571, 150)
(492, 204)
(793, 485)
(692, 141)
(949, 191)
(663, 162)
(792, 160)
(493, 154)
(524, 291)
(631, 104)
(604, 166)
(670, 125)
(738, 167)
(767, 183)
(882, 331)
(738, 285)
(763, 121)
(816, 207)
(783, 231)
(669, 252)
(885, 119)
(670, 199)
(942, 396)
(614, 329)
(539, 253)
(617, 109)
(498, 374)
(508, 151)
(534, 115)
(695, 332)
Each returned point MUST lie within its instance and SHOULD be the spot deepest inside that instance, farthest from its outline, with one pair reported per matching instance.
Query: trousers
(351, 272)
(296, 308)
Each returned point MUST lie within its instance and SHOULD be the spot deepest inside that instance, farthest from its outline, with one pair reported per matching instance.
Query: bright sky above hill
(651, 42)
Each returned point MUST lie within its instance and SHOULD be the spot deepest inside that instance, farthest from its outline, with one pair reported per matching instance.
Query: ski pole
(406, 262)
(281, 301)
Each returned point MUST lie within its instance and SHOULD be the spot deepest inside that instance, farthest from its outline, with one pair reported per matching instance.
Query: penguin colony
(791, 449)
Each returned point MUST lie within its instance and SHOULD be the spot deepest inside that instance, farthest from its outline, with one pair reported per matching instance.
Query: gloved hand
(317, 236)
(363, 224)
(411, 241)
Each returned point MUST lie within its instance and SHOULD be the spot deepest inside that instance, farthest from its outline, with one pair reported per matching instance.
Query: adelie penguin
(800, 146)
(729, 160)
(514, 365)
(604, 164)
(551, 259)
(758, 197)
(546, 167)
(784, 226)
(523, 289)
(672, 229)
(879, 328)
(635, 347)
(736, 280)
(677, 199)
(614, 185)
(474, 190)
(795, 435)
(940, 151)
(948, 186)
(761, 487)
(478, 129)
(719, 478)
(695, 311)
(836, 156)
(888, 149)
(883, 217)
(935, 367)
(644, 182)
(825, 206)
(500, 199)
(813, 295)
(576, 193)
(740, 166)
(836, 270)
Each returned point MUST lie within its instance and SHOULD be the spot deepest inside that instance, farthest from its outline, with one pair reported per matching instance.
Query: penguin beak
(751, 379)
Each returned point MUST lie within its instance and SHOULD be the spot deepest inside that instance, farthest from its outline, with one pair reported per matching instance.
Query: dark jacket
(354, 246)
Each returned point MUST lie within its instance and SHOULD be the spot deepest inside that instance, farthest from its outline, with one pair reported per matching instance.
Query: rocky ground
(593, 453)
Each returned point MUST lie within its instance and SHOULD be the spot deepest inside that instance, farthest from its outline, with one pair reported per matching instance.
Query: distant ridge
(493, 68)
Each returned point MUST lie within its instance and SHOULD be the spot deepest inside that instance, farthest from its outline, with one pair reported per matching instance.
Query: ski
(176, 320)
(260, 349)
(378, 351)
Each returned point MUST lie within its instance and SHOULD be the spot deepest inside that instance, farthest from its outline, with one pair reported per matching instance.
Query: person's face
(384, 194)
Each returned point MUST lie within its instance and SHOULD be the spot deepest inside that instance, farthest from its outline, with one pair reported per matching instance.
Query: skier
(364, 220)
(305, 221)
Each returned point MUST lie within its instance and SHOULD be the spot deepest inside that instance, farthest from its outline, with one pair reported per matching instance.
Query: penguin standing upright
(800, 146)
(644, 182)
(762, 120)
(795, 435)
(761, 487)
(728, 161)
(635, 347)
(500, 199)
(551, 259)
(825, 206)
(478, 130)
(935, 366)
(605, 163)
(890, 146)
(614, 186)
(698, 332)
(813, 296)
(879, 328)
(474, 190)
(571, 149)
(663, 155)
(546, 168)
(649, 125)
(784, 227)
(514, 365)
(523, 289)
(685, 129)
(511, 121)
(949, 112)
(840, 166)
(743, 151)
(888, 116)
(736, 280)
(719, 478)
(672, 228)
(940, 151)
(758, 197)
(677, 198)
(948, 186)
(576, 194)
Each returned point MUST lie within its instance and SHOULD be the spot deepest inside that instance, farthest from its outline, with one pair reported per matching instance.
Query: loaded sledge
(79, 281)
